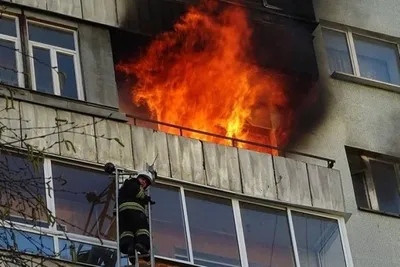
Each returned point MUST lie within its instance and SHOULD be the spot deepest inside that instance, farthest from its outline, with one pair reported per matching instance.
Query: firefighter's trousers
(133, 229)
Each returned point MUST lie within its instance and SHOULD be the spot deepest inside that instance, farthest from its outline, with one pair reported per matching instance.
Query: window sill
(380, 212)
(365, 81)
(62, 103)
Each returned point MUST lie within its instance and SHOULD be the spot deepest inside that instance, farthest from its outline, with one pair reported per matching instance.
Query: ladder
(120, 177)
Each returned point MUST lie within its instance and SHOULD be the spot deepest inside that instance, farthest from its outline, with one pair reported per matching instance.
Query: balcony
(208, 164)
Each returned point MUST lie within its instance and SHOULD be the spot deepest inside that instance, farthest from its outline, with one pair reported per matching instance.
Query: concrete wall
(95, 51)
(97, 65)
(363, 117)
(97, 140)
(379, 16)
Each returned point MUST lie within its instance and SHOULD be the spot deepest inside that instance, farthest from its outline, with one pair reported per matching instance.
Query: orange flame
(200, 75)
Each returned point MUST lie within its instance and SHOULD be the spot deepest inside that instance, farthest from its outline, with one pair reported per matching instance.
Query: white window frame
(181, 190)
(352, 49)
(239, 227)
(17, 46)
(53, 58)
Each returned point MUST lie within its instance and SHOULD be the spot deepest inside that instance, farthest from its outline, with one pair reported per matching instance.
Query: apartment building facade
(216, 205)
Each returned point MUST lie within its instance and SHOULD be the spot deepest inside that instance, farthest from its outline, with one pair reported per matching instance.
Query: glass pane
(43, 70)
(86, 253)
(8, 63)
(66, 69)
(267, 236)
(377, 60)
(168, 223)
(26, 242)
(338, 51)
(8, 26)
(386, 186)
(212, 230)
(360, 190)
(22, 189)
(84, 201)
(50, 36)
(318, 241)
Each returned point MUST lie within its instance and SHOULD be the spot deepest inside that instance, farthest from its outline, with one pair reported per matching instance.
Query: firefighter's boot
(144, 253)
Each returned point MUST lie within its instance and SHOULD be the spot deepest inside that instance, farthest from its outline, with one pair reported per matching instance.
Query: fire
(201, 75)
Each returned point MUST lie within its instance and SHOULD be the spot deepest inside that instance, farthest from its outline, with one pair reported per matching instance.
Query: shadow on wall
(280, 46)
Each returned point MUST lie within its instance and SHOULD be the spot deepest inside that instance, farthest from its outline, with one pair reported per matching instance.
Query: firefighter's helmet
(146, 175)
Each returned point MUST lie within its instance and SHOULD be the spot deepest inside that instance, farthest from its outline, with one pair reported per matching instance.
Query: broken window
(376, 181)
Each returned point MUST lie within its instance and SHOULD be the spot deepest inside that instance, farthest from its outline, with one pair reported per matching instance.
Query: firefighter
(133, 223)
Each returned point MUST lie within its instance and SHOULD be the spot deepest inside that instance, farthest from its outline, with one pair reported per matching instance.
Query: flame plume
(201, 75)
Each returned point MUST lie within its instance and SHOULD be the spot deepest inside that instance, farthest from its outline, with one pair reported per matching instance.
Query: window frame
(18, 48)
(53, 50)
(352, 50)
(371, 191)
(235, 201)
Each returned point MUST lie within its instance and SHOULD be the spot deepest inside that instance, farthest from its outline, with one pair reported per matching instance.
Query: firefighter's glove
(148, 199)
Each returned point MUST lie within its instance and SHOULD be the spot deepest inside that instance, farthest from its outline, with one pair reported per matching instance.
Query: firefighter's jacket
(132, 196)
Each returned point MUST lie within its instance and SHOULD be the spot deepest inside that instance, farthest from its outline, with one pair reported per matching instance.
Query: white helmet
(147, 175)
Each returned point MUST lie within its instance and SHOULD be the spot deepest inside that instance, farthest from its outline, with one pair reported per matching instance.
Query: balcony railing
(234, 142)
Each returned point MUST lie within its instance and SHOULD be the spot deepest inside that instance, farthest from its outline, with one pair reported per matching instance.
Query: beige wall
(359, 116)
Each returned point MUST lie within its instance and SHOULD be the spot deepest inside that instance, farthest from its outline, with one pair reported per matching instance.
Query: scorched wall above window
(217, 68)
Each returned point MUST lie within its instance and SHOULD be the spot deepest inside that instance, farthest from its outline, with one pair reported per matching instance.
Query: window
(22, 189)
(83, 201)
(318, 241)
(188, 227)
(54, 60)
(26, 242)
(168, 223)
(212, 230)
(362, 56)
(11, 72)
(376, 181)
(88, 254)
(267, 236)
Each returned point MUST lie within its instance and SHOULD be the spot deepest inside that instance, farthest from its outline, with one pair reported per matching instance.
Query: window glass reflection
(43, 70)
(87, 253)
(51, 36)
(212, 230)
(22, 189)
(66, 72)
(8, 26)
(377, 60)
(8, 63)
(267, 236)
(26, 242)
(168, 224)
(318, 241)
(338, 51)
(84, 201)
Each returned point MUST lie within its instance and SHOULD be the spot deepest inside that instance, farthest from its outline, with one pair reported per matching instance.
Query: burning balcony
(215, 72)
(220, 85)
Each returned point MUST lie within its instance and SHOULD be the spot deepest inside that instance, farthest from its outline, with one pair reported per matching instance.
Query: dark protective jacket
(132, 196)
